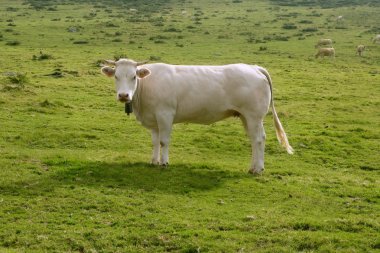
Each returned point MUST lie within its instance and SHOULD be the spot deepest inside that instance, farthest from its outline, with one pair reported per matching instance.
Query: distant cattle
(322, 52)
(163, 94)
(132, 10)
(376, 39)
(339, 19)
(360, 50)
(324, 42)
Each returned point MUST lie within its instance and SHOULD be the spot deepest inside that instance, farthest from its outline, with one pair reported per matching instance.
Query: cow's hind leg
(156, 146)
(256, 133)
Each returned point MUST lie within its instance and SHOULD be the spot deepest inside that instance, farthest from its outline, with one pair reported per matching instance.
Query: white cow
(376, 39)
(325, 52)
(162, 95)
(360, 50)
(324, 42)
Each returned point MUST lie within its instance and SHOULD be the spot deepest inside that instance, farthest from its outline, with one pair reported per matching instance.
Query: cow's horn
(141, 63)
(109, 62)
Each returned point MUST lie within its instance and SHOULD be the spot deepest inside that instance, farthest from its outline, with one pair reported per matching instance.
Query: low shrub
(18, 80)
(120, 56)
(172, 29)
(13, 43)
(310, 29)
(262, 48)
(223, 36)
(159, 37)
(47, 103)
(42, 57)
(57, 73)
(305, 21)
(341, 27)
(281, 38)
(110, 24)
(158, 23)
(80, 42)
(289, 26)
(314, 14)
(154, 58)
(11, 9)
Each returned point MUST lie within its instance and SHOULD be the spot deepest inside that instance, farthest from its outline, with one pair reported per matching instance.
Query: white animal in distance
(322, 52)
(360, 50)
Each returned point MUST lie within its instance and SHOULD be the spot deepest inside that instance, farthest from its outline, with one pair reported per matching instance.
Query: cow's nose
(123, 97)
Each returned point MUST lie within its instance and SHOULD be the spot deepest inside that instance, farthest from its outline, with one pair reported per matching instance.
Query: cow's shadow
(175, 179)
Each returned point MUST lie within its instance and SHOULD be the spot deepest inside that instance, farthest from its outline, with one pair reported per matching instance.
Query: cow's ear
(108, 71)
(143, 72)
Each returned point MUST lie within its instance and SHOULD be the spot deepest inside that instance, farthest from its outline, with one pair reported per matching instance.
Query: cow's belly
(202, 110)
(203, 116)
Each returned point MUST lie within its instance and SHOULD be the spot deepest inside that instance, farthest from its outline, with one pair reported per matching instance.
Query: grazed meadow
(74, 171)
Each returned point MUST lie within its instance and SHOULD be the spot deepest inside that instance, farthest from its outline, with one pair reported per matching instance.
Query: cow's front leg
(165, 123)
(156, 146)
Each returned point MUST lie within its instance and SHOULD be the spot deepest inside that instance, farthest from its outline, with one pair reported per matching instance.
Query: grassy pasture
(74, 171)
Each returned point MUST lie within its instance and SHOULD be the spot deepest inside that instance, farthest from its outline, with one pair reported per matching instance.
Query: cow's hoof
(154, 162)
(256, 172)
(164, 164)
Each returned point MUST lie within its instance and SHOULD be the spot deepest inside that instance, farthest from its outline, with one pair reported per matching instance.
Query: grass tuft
(19, 79)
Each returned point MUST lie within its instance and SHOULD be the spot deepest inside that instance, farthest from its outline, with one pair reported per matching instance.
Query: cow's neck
(136, 101)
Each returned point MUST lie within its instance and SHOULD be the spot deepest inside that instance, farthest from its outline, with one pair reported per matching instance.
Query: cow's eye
(134, 78)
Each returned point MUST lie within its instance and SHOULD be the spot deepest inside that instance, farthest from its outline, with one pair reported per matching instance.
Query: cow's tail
(280, 132)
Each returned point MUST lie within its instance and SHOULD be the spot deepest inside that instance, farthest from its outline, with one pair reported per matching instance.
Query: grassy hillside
(74, 171)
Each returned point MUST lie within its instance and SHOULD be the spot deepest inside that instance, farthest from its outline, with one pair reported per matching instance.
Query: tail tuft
(280, 133)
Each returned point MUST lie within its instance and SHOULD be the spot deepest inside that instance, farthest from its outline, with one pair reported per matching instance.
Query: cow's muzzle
(124, 97)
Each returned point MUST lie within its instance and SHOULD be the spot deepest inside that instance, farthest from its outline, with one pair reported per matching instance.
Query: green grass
(74, 171)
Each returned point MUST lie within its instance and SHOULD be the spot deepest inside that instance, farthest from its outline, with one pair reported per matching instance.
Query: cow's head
(126, 73)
